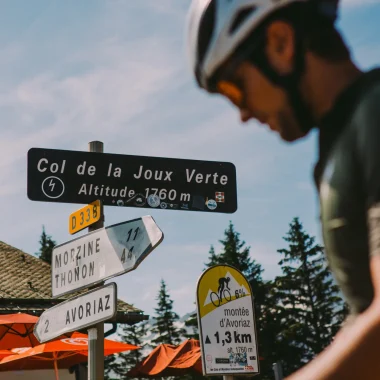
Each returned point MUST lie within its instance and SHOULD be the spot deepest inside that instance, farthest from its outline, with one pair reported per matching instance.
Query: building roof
(25, 286)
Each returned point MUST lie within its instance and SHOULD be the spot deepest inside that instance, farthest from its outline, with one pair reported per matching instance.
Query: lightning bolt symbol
(52, 184)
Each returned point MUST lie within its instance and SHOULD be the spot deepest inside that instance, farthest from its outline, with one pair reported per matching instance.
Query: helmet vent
(241, 16)
(205, 31)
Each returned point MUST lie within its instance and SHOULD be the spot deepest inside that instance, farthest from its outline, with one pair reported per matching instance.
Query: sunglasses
(230, 85)
(232, 92)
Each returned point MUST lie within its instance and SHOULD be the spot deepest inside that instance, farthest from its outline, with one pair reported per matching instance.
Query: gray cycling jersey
(348, 181)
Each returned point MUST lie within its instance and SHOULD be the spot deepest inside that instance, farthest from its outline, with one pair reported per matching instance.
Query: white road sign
(77, 313)
(227, 324)
(102, 254)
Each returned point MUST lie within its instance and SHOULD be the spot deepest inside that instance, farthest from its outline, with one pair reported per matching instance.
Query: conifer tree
(309, 301)
(166, 318)
(133, 334)
(213, 259)
(109, 365)
(192, 323)
(46, 247)
(234, 252)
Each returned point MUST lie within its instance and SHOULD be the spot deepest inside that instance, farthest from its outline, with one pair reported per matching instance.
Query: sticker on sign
(77, 313)
(102, 254)
(227, 323)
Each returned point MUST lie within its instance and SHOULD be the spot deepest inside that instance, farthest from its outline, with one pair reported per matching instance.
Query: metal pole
(277, 368)
(96, 333)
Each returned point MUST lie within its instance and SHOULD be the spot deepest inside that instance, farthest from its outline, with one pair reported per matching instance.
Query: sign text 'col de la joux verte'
(131, 181)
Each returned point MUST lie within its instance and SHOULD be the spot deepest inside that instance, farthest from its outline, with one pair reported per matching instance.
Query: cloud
(51, 110)
(108, 77)
(100, 102)
(92, 93)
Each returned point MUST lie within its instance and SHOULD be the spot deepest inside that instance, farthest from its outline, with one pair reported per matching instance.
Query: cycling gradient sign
(227, 323)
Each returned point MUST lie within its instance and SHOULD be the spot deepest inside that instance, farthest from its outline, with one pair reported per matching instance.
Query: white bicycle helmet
(232, 22)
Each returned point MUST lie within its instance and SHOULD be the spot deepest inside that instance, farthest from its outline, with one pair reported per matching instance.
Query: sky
(116, 71)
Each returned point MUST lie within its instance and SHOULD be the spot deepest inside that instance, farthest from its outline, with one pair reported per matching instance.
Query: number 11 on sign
(127, 253)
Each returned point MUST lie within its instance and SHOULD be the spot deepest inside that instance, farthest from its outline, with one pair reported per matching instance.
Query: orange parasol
(69, 350)
(4, 353)
(16, 330)
(169, 360)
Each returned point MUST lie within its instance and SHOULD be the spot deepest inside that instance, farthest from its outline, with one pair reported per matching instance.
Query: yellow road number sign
(84, 217)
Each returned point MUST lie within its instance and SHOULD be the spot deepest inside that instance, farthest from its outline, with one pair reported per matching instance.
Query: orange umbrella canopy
(16, 330)
(170, 360)
(4, 353)
(67, 352)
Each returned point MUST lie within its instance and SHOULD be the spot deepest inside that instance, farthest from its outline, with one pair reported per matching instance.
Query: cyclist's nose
(245, 115)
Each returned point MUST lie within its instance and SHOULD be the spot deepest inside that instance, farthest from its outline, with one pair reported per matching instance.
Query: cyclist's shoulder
(366, 113)
(357, 106)
(353, 125)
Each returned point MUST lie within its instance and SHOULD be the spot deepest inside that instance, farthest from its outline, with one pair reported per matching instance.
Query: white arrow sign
(102, 254)
(77, 313)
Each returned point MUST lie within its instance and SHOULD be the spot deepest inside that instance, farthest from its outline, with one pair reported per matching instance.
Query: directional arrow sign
(102, 254)
(131, 181)
(77, 313)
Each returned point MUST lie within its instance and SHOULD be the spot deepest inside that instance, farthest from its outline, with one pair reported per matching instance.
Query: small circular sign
(53, 187)
(139, 200)
(153, 200)
(211, 204)
(163, 205)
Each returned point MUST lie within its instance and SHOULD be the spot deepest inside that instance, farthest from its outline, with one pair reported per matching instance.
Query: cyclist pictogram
(223, 292)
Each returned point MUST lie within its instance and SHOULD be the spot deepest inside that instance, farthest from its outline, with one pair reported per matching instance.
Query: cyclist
(223, 282)
(284, 63)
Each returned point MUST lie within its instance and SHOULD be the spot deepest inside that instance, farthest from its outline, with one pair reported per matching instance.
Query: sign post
(277, 369)
(104, 253)
(96, 332)
(226, 322)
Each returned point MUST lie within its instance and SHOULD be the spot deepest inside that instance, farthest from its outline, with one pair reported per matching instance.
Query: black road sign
(131, 181)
